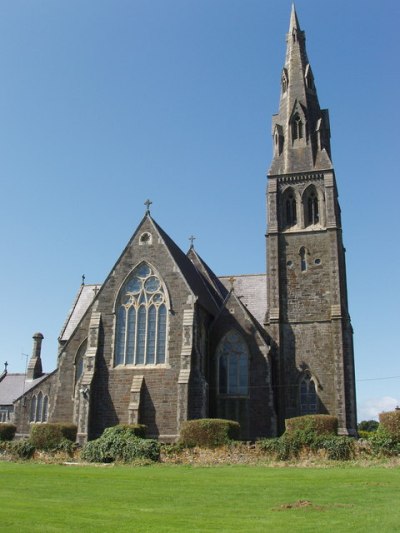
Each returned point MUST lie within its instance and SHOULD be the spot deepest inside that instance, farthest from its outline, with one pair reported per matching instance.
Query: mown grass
(167, 498)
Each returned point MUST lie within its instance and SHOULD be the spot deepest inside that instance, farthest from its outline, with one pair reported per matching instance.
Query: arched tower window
(311, 207)
(308, 396)
(290, 208)
(303, 259)
(233, 365)
(141, 326)
(297, 127)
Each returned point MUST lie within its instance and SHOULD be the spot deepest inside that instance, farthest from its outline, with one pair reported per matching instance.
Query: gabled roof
(198, 285)
(81, 304)
(251, 289)
(15, 385)
(217, 286)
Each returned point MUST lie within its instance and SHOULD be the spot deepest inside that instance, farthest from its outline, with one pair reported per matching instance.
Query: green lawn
(167, 498)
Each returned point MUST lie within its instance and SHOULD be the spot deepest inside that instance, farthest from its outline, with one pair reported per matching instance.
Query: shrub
(316, 424)
(7, 431)
(289, 445)
(383, 444)
(21, 449)
(367, 425)
(49, 436)
(338, 448)
(365, 434)
(390, 422)
(120, 443)
(139, 430)
(208, 432)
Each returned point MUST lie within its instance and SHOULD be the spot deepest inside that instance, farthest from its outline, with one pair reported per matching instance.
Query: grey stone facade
(293, 333)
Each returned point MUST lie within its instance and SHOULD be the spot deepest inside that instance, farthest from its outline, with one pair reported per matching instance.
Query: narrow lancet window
(303, 259)
(308, 396)
(233, 361)
(311, 207)
(141, 319)
(297, 127)
(290, 209)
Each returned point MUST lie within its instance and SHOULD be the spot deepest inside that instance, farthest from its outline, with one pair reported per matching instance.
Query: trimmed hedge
(120, 443)
(7, 431)
(318, 424)
(138, 430)
(50, 436)
(390, 422)
(208, 432)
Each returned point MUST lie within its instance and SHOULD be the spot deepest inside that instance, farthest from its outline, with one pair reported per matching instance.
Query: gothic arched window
(141, 327)
(39, 407)
(303, 259)
(308, 396)
(45, 408)
(32, 416)
(233, 365)
(311, 206)
(297, 127)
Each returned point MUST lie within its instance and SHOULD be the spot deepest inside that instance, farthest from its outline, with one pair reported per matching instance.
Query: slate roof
(198, 283)
(252, 290)
(81, 304)
(12, 386)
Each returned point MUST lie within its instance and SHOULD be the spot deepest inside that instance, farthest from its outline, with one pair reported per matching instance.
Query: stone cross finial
(232, 282)
(148, 204)
(5, 366)
(192, 238)
(83, 279)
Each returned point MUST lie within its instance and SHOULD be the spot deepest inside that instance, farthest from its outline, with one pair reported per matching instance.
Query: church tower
(307, 314)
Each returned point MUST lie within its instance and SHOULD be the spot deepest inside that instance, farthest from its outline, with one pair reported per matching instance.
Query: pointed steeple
(300, 130)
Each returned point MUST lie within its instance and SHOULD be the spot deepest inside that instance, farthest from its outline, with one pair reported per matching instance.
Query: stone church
(164, 339)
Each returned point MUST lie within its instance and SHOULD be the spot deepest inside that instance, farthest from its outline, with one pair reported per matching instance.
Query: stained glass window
(141, 319)
(233, 362)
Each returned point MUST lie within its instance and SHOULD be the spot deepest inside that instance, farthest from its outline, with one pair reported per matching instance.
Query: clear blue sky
(106, 103)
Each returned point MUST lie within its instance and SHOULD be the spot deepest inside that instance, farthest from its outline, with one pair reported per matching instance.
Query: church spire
(301, 129)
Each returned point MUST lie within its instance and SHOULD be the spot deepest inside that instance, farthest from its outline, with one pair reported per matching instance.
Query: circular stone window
(289, 264)
(145, 238)
(317, 261)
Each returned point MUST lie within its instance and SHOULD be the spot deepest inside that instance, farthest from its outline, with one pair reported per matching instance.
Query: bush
(390, 422)
(7, 431)
(383, 444)
(120, 443)
(317, 424)
(292, 443)
(338, 448)
(49, 436)
(368, 425)
(21, 449)
(208, 432)
(138, 430)
(365, 434)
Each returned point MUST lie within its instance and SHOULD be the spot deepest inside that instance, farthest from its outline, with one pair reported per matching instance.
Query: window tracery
(141, 319)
